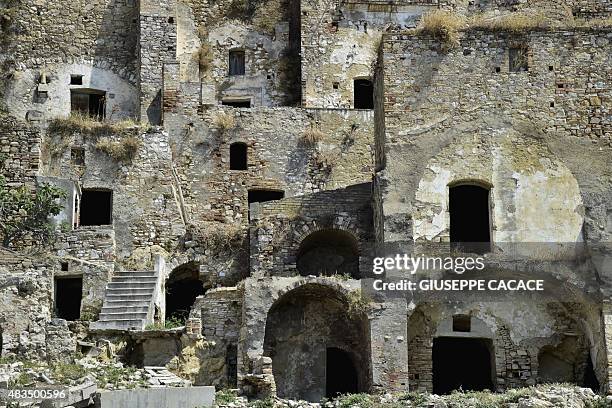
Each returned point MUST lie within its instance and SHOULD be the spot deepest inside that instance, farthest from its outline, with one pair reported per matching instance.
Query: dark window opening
(237, 104)
(88, 103)
(64, 266)
(336, 85)
(76, 79)
(77, 156)
(170, 20)
(231, 362)
(328, 252)
(182, 289)
(236, 63)
(238, 156)
(68, 293)
(518, 59)
(462, 363)
(364, 94)
(497, 70)
(469, 218)
(262, 196)
(552, 104)
(462, 323)
(340, 373)
(96, 207)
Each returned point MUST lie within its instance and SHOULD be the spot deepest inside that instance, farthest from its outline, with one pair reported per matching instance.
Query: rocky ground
(543, 396)
(108, 375)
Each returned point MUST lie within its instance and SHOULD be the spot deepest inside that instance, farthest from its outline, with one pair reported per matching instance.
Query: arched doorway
(314, 342)
(182, 288)
(328, 252)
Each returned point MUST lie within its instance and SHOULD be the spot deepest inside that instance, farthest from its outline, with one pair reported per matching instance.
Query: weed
(225, 397)
(224, 121)
(311, 136)
(358, 303)
(124, 149)
(443, 25)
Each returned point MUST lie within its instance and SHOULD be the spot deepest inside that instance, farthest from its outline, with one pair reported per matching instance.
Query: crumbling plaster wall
(519, 330)
(484, 102)
(206, 33)
(58, 36)
(535, 198)
(25, 102)
(340, 43)
(278, 156)
(528, 134)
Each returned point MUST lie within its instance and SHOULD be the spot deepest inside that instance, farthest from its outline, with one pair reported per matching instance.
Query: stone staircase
(129, 301)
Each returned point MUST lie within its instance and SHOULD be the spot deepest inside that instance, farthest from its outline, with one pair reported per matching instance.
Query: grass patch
(79, 123)
(311, 136)
(171, 323)
(358, 304)
(350, 400)
(225, 397)
(263, 403)
(224, 121)
(443, 25)
(65, 372)
(216, 236)
(123, 149)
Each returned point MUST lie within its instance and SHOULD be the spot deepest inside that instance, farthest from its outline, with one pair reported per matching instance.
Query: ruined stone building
(275, 148)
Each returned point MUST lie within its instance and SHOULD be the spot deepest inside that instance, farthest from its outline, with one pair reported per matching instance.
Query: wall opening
(590, 378)
(363, 94)
(469, 218)
(518, 59)
(238, 156)
(328, 252)
(231, 364)
(262, 196)
(555, 367)
(462, 363)
(77, 156)
(88, 102)
(95, 207)
(245, 103)
(68, 293)
(462, 323)
(301, 328)
(76, 79)
(236, 62)
(340, 373)
(182, 288)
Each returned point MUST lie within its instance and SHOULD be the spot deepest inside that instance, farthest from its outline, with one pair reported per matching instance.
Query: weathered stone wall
(556, 105)
(340, 43)
(19, 150)
(278, 228)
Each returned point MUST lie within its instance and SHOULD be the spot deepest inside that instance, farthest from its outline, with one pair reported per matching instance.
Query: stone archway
(182, 287)
(327, 252)
(304, 328)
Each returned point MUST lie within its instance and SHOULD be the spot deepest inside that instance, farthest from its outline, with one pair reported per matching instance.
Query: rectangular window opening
(77, 156)
(462, 323)
(88, 103)
(68, 294)
(518, 58)
(237, 103)
(96, 208)
(76, 79)
(363, 94)
(236, 63)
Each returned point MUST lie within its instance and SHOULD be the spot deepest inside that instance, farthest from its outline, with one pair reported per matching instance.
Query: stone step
(131, 285)
(129, 274)
(129, 291)
(118, 324)
(112, 308)
(107, 317)
(140, 297)
(124, 303)
(141, 279)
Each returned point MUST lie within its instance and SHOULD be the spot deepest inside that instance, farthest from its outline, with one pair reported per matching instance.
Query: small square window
(76, 79)
(497, 70)
(77, 156)
(462, 323)
(336, 85)
(64, 266)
